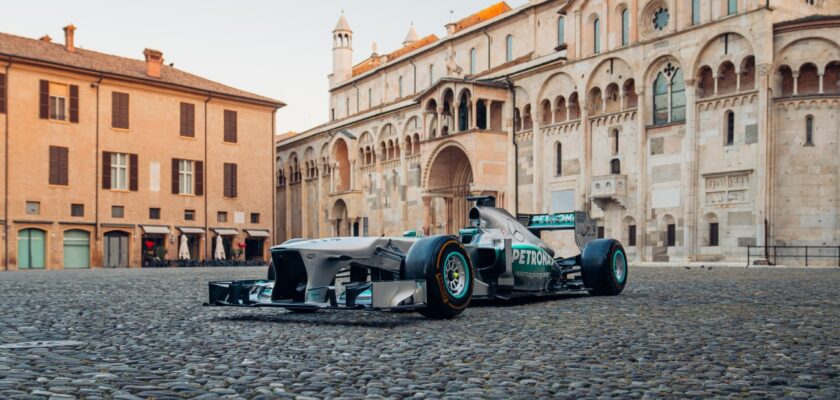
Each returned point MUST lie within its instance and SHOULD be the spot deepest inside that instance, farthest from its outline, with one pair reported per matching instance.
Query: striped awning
(257, 233)
(155, 229)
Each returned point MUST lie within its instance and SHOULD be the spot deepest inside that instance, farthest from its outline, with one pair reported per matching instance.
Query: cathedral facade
(688, 129)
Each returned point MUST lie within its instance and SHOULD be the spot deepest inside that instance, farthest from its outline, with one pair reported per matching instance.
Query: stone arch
(727, 78)
(610, 70)
(789, 54)
(808, 81)
(747, 68)
(723, 47)
(594, 101)
(464, 103)
(705, 82)
(706, 234)
(341, 156)
(558, 84)
(611, 98)
(339, 217)
(831, 78)
(625, 238)
(560, 109)
(449, 176)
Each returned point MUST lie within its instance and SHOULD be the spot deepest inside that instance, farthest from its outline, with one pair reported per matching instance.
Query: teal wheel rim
(619, 263)
(456, 275)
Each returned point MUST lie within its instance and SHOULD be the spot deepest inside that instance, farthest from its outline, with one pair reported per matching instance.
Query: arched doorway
(449, 180)
(76, 249)
(116, 249)
(31, 248)
(338, 216)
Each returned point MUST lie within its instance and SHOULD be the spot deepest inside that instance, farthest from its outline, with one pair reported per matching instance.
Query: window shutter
(230, 126)
(2, 93)
(132, 172)
(199, 178)
(53, 165)
(74, 104)
(233, 187)
(119, 110)
(44, 100)
(124, 110)
(63, 166)
(226, 186)
(187, 119)
(175, 180)
(106, 170)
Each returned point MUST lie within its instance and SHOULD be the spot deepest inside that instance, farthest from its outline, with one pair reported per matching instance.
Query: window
(714, 234)
(58, 165)
(561, 30)
(347, 105)
(119, 171)
(255, 218)
(600, 232)
(187, 120)
(230, 126)
(596, 36)
(509, 48)
(669, 96)
(189, 215)
(332, 113)
(370, 98)
(221, 216)
(730, 128)
(58, 102)
(77, 210)
(117, 211)
(695, 12)
(473, 58)
(631, 235)
(672, 235)
(185, 176)
(119, 110)
(615, 166)
(660, 19)
(809, 130)
(625, 27)
(400, 83)
(731, 7)
(154, 213)
(615, 141)
(230, 185)
(559, 160)
(33, 207)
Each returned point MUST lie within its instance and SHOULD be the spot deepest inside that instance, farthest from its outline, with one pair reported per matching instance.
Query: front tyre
(604, 267)
(448, 272)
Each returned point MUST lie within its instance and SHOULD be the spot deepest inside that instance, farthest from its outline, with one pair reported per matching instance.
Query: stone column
(689, 172)
(642, 189)
(586, 173)
(427, 215)
(402, 184)
(578, 33)
(288, 207)
(715, 77)
(821, 83)
(795, 83)
(537, 156)
(448, 205)
(439, 118)
(304, 203)
(317, 206)
(764, 176)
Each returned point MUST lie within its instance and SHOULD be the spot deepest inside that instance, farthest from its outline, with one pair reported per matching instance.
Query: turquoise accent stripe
(615, 265)
(466, 269)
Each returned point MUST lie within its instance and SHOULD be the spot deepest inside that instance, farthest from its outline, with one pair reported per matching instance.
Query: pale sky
(281, 49)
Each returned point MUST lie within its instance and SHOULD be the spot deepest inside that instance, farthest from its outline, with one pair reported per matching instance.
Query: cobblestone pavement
(674, 333)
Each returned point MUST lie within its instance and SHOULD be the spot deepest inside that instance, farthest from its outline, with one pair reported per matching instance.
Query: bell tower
(342, 52)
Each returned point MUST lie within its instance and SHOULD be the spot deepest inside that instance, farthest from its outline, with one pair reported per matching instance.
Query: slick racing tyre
(604, 267)
(448, 272)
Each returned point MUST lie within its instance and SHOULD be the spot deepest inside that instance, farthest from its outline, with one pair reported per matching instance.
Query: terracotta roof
(54, 53)
(366, 65)
(488, 13)
(284, 136)
(412, 46)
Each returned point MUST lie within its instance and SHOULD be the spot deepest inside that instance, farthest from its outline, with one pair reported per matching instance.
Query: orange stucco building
(109, 161)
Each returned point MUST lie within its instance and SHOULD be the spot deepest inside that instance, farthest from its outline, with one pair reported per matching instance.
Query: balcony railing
(609, 188)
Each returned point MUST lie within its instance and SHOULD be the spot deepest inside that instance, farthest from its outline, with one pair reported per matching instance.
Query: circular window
(660, 19)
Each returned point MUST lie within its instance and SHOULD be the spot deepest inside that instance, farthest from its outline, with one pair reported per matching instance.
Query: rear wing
(585, 229)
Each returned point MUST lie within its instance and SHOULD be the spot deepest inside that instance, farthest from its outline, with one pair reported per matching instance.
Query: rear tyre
(442, 262)
(604, 267)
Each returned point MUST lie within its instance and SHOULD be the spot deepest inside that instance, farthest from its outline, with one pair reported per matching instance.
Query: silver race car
(497, 256)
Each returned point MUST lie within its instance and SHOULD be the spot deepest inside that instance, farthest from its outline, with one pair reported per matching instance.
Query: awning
(155, 229)
(226, 231)
(257, 233)
(191, 230)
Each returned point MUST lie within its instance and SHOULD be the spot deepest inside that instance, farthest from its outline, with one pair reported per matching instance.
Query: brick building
(109, 161)
(687, 129)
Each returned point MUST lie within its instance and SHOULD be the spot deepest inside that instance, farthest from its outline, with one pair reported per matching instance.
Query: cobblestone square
(673, 333)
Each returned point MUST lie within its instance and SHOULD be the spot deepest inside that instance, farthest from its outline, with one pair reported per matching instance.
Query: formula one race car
(496, 257)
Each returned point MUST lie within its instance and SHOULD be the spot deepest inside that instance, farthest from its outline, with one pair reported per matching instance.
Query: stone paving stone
(673, 333)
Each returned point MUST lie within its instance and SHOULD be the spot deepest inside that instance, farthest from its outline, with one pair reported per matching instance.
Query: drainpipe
(96, 161)
(489, 39)
(206, 189)
(6, 171)
(515, 147)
